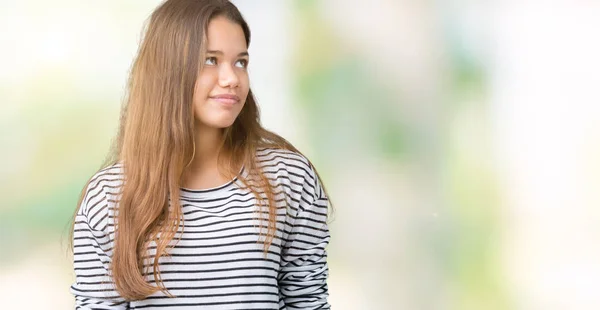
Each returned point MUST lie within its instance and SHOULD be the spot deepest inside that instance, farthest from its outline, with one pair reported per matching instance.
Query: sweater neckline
(213, 191)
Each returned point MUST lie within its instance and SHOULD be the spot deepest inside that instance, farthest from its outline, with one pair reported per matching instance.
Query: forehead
(225, 35)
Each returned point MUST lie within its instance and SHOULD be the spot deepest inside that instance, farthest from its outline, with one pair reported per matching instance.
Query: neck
(208, 142)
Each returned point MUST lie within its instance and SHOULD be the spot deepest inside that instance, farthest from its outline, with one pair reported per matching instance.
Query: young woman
(201, 208)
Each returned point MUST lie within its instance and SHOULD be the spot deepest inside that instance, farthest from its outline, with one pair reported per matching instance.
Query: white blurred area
(541, 109)
(546, 113)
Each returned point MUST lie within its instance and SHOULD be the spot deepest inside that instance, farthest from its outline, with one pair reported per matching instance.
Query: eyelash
(214, 60)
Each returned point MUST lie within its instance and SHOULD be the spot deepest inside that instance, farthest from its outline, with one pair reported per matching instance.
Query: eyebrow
(221, 53)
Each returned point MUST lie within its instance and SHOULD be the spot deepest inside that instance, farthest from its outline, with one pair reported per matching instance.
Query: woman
(211, 210)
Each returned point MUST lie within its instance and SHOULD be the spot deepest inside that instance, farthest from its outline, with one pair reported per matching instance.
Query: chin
(219, 121)
(221, 124)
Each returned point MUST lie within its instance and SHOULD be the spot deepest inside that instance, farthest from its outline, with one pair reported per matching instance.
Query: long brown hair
(155, 141)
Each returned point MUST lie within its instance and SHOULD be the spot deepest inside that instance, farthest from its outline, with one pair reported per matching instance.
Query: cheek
(202, 88)
(245, 86)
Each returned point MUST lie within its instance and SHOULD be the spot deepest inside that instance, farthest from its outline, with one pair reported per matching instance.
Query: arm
(92, 248)
(304, 270)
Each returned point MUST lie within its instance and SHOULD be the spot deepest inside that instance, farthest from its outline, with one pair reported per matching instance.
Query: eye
(242, 63)
(211, 61)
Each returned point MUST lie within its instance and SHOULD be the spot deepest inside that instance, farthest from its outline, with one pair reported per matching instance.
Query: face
(222, 85)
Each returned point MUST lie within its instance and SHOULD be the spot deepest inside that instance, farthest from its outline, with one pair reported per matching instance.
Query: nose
(228, 76)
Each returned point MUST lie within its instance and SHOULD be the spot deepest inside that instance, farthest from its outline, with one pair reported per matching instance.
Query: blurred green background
(459, 140)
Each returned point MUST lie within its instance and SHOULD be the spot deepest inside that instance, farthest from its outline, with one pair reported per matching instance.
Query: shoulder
(101, 191)
(293, 164)
(270, 157)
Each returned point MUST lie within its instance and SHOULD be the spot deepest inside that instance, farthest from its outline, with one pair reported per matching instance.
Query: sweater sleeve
(92, 248)
(304, 269)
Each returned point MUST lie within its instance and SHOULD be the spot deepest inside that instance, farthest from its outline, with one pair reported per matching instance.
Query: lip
(226, 99)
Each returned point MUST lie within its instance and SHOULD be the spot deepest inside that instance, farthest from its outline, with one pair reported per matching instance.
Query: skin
(224, 72)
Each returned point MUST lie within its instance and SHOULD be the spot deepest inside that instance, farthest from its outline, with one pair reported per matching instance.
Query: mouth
(226, 99)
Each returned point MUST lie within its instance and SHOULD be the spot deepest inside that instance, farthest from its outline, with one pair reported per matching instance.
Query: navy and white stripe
(219, 263)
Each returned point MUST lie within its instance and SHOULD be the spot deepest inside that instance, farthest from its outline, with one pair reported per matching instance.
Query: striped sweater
(219, 263)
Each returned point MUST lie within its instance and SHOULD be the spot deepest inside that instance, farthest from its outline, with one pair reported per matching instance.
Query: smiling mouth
(227, 100)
